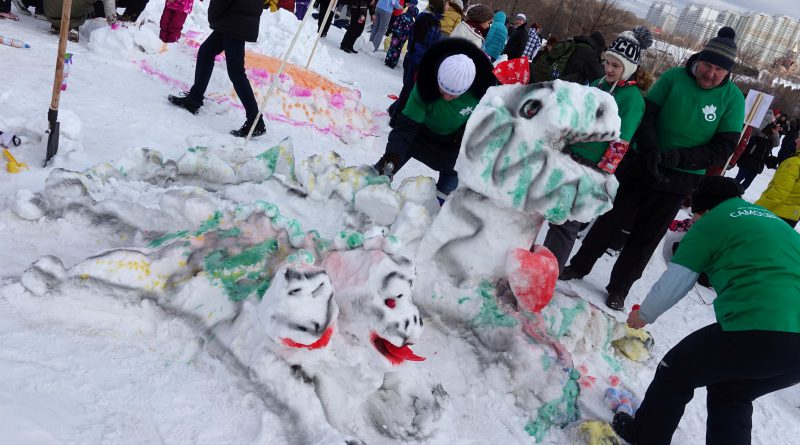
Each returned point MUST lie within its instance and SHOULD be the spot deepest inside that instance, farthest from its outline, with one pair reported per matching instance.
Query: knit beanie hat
(479, 13)
(456, 74)
(436, 5)
(713, 190)
(628, 47)
(721, 50)
(522, 17)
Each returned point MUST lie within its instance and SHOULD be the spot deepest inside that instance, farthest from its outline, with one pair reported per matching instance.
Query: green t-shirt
(630, 106)
(690, 115)
(441, 116)
(752, 259)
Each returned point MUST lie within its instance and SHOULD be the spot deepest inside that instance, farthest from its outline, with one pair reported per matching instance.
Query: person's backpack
(551, 65)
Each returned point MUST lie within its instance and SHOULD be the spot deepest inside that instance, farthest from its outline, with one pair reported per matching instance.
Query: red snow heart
(395, 354)
(532, 276)
(321, 343)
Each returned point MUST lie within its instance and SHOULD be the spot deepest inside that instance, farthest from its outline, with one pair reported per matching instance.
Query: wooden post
(331, 8)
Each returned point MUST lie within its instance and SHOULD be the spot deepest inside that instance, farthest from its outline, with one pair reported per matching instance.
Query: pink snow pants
(171, 25)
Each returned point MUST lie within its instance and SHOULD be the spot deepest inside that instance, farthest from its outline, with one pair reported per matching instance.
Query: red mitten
(513, 71)
(532, 276)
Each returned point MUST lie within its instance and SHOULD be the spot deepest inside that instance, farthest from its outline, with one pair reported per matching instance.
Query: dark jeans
(323, 8)
(216, 43)
(353, 31)
(561, 238)
(437, 152)
(736, 367)
(652, 212)
(745, 176)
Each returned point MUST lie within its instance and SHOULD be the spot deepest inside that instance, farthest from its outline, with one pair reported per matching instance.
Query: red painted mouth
(396, 355)
(321, 343)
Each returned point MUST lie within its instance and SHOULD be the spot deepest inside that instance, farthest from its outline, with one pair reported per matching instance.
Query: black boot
(258, 131)
(623, 426)
(570, 273)
(616, 301)
(186, 102)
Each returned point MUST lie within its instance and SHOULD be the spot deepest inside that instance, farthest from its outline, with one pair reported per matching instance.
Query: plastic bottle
(67, 65)
(13, 42)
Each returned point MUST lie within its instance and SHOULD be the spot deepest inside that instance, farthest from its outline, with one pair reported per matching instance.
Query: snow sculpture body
(514, 172)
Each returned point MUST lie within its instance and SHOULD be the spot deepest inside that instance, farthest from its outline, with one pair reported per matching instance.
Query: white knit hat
(628, 47)
(522, 17)
(456, 74)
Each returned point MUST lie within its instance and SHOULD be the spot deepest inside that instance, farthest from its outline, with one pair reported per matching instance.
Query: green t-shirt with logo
(630, 106)
(690, 115)
(441, 116)
(752, 259)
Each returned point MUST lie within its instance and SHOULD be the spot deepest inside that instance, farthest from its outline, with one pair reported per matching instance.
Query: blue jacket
(497, 36)
(388, 5)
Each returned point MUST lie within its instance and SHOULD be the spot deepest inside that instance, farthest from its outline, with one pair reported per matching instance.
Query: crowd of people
(673, 131)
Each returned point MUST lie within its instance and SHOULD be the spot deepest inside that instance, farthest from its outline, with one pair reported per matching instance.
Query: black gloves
(656, 158)
(388, 164)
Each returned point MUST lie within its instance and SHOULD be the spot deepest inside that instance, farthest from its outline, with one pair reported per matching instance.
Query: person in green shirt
(751, 258)
(692, 120)
(626, 81)
(453, 77)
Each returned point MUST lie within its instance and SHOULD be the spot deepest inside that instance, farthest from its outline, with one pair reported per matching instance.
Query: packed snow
(164, 282)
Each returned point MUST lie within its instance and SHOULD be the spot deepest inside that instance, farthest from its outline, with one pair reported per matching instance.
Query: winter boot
(186, 102)
(570, 273)
(260, 129)
(623, 426)
(73, 35)
(616, 301)
(54, 30)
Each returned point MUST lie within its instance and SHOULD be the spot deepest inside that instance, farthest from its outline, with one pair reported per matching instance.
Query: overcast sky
(772, 7)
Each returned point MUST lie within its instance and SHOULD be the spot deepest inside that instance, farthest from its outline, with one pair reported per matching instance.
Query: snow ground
(81, 367)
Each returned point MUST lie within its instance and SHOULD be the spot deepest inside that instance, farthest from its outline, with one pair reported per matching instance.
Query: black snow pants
(736, 367)
(652, 212)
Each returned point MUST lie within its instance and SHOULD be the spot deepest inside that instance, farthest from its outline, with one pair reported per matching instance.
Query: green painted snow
(158, 242)
(558, 412)
(520, 191)
(210, 224)
(490, 314)
(235, 272)
(568, 317)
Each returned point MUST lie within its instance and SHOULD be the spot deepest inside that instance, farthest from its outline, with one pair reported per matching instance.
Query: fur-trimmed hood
(428, 86)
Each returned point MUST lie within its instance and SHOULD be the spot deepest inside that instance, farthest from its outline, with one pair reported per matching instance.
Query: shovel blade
(52, 141)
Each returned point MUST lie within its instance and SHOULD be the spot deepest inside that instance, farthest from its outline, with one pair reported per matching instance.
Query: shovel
(52, 113)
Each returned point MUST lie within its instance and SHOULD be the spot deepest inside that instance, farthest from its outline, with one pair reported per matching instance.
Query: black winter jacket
(584, 65)
(427, 84)
(758, 148)
(236, 18)
(516, 42)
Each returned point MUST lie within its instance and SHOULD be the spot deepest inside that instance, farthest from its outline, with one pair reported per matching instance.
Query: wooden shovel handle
(66, 11)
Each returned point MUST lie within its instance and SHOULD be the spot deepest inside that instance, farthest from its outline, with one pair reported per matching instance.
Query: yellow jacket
(450, 19)
(782, 196)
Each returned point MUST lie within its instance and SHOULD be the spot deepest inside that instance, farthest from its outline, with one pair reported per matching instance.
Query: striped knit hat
(721, 50)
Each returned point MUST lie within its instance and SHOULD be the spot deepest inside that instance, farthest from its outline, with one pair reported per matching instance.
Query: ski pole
(331, 8)
(277, 76)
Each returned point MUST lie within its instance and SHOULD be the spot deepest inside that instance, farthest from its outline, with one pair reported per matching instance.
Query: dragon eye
(530, 108)
(390, 303)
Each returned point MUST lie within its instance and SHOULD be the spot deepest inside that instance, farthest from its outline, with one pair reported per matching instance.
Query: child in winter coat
(400, 32)
(782, 196)
(496, 37)
(173, 18)
(626, 81)
(475, 28)
(452, 17)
